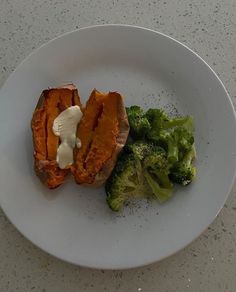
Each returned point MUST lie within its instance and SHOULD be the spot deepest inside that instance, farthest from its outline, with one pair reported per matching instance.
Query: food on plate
(139, 124)
(51, 103)
(160, 153)
(103, 131)
(68, 138)
(141, 171)
(65, 127)
(136, 153)
(183, 172)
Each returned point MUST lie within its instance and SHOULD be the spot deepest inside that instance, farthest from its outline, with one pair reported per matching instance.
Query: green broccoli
(139, 148)
(159, 120)
(159, 152)
(184, 140)
(155, 158)
(185, 122)
(171, 133)
(140, 167)
(156, 169)
(169, 140)
(153, 161)
(170, 143)
(139, 124)
(162, 194)
(183, 172)
(126, 181)
(156, 118)
(179, 141)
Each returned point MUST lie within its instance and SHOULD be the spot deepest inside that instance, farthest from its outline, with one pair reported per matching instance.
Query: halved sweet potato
(50, 104)
(103, 132)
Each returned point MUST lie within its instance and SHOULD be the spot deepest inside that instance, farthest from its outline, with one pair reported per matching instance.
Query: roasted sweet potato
(103, 131)
(50, 104)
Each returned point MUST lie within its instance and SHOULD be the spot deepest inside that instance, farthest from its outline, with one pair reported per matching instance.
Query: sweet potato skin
(49, 173)
(47, 109)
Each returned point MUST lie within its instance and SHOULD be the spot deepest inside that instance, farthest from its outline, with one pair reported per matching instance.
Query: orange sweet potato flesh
(103, 131)
(50, 104)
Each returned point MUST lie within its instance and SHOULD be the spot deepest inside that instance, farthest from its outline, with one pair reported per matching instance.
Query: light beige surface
(208, 27)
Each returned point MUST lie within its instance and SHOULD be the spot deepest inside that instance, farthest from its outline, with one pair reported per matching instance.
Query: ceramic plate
(151, 70)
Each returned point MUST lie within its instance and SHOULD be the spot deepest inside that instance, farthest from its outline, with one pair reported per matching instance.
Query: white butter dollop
(65, 126)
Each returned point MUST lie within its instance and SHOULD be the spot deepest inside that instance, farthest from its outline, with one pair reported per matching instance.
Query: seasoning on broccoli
(141, 171)
(160, 152)
(126, 182)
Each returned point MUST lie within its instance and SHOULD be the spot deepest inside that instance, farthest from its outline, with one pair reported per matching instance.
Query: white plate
(151, 70)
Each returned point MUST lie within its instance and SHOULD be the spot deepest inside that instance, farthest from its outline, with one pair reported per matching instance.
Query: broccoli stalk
(170, 143)
(162, 194)
(156, 172)
(173, 151)
(183, 138)
(185, 122)
(163, 178)
(183, 172)
(173, 134)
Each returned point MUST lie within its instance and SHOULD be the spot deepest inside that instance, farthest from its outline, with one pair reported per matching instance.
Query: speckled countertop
(206, 26)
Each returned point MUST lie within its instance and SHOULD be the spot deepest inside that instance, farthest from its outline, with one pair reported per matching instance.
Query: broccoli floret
(176, 142)
(159, 152)
(139, 124)
(169, 142)
(173, 134)
(183, 172)
(184, 140)
(159, 121)
(156, 118)
(140, 167)
(153, 161)
(139, 148)
(171, 145)
(185, 122)
(160, 193)
(179, 141)
(126, 182)
(157, 166)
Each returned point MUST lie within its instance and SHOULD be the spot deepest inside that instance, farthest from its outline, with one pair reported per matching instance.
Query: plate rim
(227, 193)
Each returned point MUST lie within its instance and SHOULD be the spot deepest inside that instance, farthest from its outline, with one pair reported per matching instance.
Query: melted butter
(65, 126)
